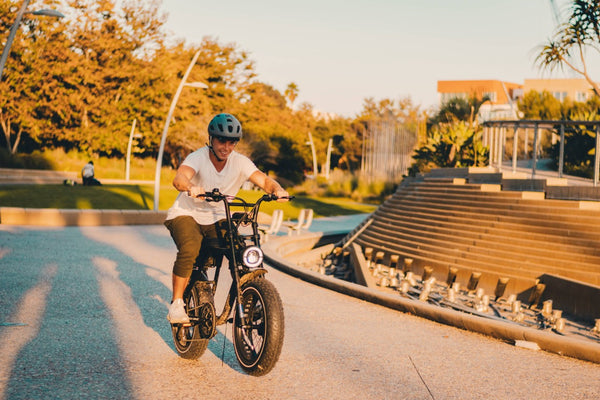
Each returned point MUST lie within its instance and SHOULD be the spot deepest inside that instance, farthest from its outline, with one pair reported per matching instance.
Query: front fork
(240, 281)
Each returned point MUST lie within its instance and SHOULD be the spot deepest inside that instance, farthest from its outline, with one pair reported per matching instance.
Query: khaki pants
(187, 235)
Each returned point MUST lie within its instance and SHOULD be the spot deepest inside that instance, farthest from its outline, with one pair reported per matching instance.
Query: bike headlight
(252, 256)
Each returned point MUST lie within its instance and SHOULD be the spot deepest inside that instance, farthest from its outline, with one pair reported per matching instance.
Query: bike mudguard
(251, 275)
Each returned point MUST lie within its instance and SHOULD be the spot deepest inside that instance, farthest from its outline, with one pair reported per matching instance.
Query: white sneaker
(177, 314)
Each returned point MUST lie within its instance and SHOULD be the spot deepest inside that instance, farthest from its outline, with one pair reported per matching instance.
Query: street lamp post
(129, 145)
(15, 27)
(163, 138)
(314, 154)
(328, 161)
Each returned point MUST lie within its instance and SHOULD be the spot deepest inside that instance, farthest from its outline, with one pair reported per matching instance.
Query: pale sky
(340, 52)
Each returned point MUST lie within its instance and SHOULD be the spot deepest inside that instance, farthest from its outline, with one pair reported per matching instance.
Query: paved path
(94, 299)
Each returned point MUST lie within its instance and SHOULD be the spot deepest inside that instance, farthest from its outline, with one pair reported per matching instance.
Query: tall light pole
(314, 154)
(163, 138)
(15, 27)
(129, 145)
(328, 161)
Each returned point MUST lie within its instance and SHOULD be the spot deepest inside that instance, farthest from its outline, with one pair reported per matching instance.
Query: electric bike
(252, 303)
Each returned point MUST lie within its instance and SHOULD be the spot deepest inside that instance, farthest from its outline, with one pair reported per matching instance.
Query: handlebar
(216, 195)
(273, 197)
(250, 213)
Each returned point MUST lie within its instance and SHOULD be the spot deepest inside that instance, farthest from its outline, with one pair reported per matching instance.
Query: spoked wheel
(191, 340)
(258, 339)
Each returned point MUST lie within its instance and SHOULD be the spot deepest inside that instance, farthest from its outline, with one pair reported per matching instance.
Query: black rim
(251, 345)
(184, 334)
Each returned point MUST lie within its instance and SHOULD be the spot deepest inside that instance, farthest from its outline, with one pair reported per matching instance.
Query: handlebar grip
(273, 197)
(215, 195)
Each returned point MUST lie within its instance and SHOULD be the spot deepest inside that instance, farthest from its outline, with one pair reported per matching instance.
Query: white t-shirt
(237, 170)
(87, 171)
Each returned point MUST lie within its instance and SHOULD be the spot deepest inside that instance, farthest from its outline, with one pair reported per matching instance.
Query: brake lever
(273, 197)
(215, 195)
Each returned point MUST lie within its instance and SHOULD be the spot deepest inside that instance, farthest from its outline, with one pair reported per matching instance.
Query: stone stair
(447, 222)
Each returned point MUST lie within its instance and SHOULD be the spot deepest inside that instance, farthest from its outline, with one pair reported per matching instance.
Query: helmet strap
(209, 144)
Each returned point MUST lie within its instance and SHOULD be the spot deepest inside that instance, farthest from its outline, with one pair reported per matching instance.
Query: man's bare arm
(183, 181)
(268, 184)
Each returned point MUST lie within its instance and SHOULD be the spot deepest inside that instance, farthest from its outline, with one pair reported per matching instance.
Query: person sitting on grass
(87, 175)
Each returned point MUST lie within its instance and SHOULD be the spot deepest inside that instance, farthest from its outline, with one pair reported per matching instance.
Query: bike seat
(211, 242)
(238, 216)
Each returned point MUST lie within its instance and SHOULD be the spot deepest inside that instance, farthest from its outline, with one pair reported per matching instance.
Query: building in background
(504, 95)
(575, 89)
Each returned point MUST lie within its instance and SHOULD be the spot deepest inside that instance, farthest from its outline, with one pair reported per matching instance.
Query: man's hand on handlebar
(282, 195)
(196, 192)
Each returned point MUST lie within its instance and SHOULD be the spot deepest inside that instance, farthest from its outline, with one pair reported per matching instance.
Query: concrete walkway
(84, 317)
(543, 170)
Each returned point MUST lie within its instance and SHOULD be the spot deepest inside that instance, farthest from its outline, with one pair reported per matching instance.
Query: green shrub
(452, 145)
(346, 185)
(35, 160)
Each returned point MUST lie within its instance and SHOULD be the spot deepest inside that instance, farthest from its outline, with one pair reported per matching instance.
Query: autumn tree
(80, 83)
(226, 70)
(111, 55)
(73, 84)
(26, 79)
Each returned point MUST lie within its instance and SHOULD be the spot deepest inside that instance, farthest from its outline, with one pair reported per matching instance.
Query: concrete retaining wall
(34, 176)
(503, 330)
(73, 217)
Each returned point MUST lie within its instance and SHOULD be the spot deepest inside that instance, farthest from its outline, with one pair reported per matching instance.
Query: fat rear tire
(191, 341)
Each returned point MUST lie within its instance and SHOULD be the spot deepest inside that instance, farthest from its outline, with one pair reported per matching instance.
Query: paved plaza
(84, 317)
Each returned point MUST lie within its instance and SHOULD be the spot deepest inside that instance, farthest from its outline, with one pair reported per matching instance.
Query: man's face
(223, 147)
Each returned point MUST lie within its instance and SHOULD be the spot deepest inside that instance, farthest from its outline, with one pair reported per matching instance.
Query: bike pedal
(178, 325)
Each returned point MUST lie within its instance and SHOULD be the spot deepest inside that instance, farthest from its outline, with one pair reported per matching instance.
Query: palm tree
(572, 39)
(291, 93)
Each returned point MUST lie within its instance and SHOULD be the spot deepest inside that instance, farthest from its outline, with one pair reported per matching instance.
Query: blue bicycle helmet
(225, 126)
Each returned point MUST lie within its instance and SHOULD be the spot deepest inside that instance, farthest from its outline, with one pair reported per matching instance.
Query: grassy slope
(140, 197)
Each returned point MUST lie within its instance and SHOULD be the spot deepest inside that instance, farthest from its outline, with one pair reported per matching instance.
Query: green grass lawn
(141, 197)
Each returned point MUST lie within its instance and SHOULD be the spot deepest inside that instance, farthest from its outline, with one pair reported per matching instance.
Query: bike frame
(228, 244)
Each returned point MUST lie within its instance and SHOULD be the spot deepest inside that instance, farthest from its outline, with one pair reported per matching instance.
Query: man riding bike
(190, 219)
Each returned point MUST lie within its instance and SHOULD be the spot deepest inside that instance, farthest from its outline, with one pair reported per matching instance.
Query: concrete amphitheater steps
(477, 258)
(566, 219)
(445, 222)
(505, 205)
(577, 244)
(506, 247)
(533, 226)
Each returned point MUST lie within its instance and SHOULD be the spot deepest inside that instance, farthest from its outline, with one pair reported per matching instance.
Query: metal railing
(387, 150)
(494, 135)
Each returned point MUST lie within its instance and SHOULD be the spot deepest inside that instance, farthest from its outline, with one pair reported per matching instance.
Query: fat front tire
(191, 341)
(259, 340)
